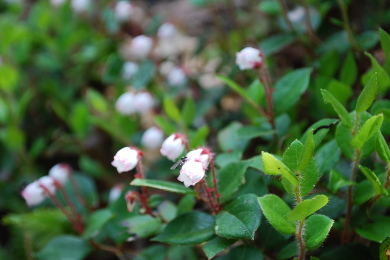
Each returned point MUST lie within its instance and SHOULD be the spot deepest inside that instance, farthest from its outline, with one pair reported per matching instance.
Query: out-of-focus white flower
(123, 11)
(57, 3)
(297, 14)
(191, 173)
(143, 102)
(60, 173)
(126, 159)
(152, 138)
(80, 6)
(248, 58)
(47, 183)
(129, 69)
(115, 192)
(125, 104)
(202, 155)
(177, 77)
(166, 31)
(33, 194)
(140, 47)
(173, 146)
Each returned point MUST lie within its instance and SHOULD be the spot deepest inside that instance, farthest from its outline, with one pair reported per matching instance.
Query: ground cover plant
(194, 129)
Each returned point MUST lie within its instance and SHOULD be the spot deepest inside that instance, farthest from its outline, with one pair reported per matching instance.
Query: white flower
(201, 155)
(296, 15)
(125, 104)
(191, 173)
(141, 46)
(115, 192)
(129, 69)
(80, 5)
(126, 159)
(152, 138)
(166, 31)
(123, 10)
(143, 102)
(177, 77)
(248, 58)
(173, 146)
(47, 183)
(57, 3)
(60, 172)
(33, 194)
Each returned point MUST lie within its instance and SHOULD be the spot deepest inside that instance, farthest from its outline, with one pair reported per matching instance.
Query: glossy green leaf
(216, 245)
(385, 42)
(307, 207)
(230, 178)
(340, 91)
(162, 185)
(276, 212)
(167, 210)
(363, 192)
(96, 221)
(368, 94)
(378, 229)
(368, 130)
(188, 229)
(289, 89)
(382, 148)
(188, 111)
(186, 204)
(273, 166)
(338, 107)
(224, 159)
(243, 252)
(384, 248)
(317, 229)
(371, 176)
(383, 77)
(337, 180)
(327, 156)
(349, 70)
(64, 248)
(143, 225)
(307, 154)
(321, 128)
(171, 109)
(229, 139)
(239, 219)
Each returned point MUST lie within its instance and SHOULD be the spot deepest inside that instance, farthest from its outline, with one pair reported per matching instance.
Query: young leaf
(171, 109)
(337, 180)
(378, 187)
(216, 245)
(200, 136)
(385, 42)
(188, 229)
(383, 77)
(382, 148)
(368, 130)
(276, 211)
(317, 228)
(338, 107)
(65, 247)
(239, 219)
(164, 124)
(368, 94)
(307, 207)
(307, 154)
(273, 166)
(162, 185)
(349, 70)
(376, 230)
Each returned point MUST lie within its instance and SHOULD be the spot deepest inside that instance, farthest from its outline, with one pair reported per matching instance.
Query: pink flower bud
(141, 46)
(177, 77)
(166, 31)
(125, 104)
(249, 58)
(60, 173)
(126, 159)
(33, 194)
(123, 10)
(152, 138)
(129, 69)
(143, 102)
(130, 198)
(191, 173)
(202, 155)
(173, 146)
(47, 184)
(115, 192)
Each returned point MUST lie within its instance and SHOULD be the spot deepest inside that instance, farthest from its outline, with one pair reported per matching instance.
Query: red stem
(215, 182)
(69, 201)
(144, 192)
(77, 190)
(209, 196)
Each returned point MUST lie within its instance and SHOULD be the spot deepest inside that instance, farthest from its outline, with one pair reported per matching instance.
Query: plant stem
(299, 232)
(107, 248)
(215, 182)
(77, 190)
(310, 30)
(347, 26)
(386, 186)
(69, 202)
(144, 192)
(285, 16)
(209, 197)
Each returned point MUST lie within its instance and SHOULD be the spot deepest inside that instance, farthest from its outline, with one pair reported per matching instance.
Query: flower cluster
(130, 103)
(196, 163)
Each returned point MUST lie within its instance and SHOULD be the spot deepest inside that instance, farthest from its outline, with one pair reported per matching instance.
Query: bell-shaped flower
(125, 104)
(202, 155)
(176, 77)
(33, 194)
(123, 10)
(143, 102)
(141, 46)
(173, 146)
(191, 173)
(60, 173)
(126, 159)
(152, 138)
(47, 183)
(249, 58)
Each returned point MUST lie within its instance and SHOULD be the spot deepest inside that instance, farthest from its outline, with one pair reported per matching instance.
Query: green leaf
(368, 130)
(162, 185)
(9, 78)
(385, 42)
(188, 229)
(368, 94)
(307, 154)
(289, 251)
(243, 252)
(144, 75)
(276, 43)
(340, 91)
(251, 131)
(64, 248)
(164, 124)
(186, 204)
(240, 219)
(273, 166)
(383, 77)
(349, 70)
(224, 159)
(188, 111)
(229, 139)
(382, 148)
(378, 229)
(321, 128)
(95, 222)
(337, 180)
(97, 101)
(167, 210)
(317, 229)
(307, 207)
(171, 109)
(363, 192)
(338, 107)
(328, 156)
(200, 136)
(289, 88)
(143, 225)
(370, 175)
(276, 211)
(385, 245)
(230, 178)
(216, 245)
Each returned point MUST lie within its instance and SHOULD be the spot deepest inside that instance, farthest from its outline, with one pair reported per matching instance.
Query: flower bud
(173, 146)
(152, 138)
(191, 173)
(141, 46)
(143, 102)
(177, 77)
(33, 194)
(166, 31)
(125, 104)
(60, 173)
(249, 58)
(115, 192)
(123, 11)
(129, 69)
(130, 198)
(202, 155)
(80, 6)
(126, 159)
(47, 183)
